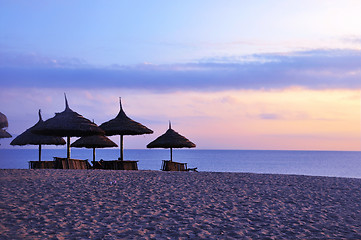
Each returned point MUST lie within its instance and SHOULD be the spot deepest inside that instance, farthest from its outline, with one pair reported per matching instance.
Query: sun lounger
(41, 165)
(116, 165)
(60, 163)
(176, 166)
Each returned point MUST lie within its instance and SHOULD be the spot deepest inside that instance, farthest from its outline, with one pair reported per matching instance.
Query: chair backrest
(64, 163)
(173, 166)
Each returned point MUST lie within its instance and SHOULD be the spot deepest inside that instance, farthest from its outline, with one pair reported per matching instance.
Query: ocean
(314, 163)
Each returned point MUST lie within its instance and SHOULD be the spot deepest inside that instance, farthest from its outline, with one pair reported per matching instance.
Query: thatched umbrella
(4, 134)
(3, 121)
(123, 125)
(95, 141)
(4, 124)
(68, 124)
(29, 138)
(171, 139)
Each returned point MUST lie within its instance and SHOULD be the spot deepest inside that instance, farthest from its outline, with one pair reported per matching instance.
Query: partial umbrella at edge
(123, 125)
(68, 124)
(4, 134)
(95, 141)
(3, 121)
(171, 139)
(30, 138)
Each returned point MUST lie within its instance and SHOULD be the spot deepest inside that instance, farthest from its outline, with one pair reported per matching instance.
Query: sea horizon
(299, 162)
(180, 149)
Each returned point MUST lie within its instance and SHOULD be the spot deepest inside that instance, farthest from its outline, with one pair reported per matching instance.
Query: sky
(267, 75)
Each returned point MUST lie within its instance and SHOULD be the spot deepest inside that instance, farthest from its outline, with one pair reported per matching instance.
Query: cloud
(314, 69)
(270, 116)
(34, 60)
(353, 40)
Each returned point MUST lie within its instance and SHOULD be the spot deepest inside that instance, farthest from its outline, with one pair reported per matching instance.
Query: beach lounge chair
(41, 165)
(175, 166)
(171, 139)
(60, 163)
(65, 163)
(116, 165)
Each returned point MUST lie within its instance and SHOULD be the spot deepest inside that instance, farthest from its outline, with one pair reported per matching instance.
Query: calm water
(317, 163)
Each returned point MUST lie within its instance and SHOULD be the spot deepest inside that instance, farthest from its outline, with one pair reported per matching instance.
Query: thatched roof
(95, 141)
(171, 139)
(3, 121)
(68, 124)
(123, 125)
(29, 138)
(4, 134)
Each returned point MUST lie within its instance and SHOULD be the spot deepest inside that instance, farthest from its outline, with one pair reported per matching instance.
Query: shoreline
(151, 170)
(148, 204)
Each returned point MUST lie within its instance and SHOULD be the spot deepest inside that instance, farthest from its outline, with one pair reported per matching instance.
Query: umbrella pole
(121, 148)
(68, 147)
(171, 154)
(93, 156)
(39, 152)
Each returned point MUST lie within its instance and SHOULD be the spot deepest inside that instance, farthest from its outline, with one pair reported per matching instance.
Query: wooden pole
(68, 147)
(171, 154)
(121, 148)
(39, 152)
(93, 156)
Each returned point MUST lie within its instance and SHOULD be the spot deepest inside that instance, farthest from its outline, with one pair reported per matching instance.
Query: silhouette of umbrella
(3, 121)
(171, 139)
(29, 138)
(95, 141)
(4, 134)
(4, 124)
(68, 124)
(123, 125)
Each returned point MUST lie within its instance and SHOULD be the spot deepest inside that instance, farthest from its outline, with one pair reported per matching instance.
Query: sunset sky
(282, 75)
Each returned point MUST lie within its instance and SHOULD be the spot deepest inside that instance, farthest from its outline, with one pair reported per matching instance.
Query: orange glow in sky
(288, 119)
(281, 119)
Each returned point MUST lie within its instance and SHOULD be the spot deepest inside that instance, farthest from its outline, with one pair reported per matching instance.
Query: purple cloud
(33, 60)
(270, 116)
(316, 69)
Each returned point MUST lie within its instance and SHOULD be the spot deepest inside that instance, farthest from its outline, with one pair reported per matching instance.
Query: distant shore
(97, 204)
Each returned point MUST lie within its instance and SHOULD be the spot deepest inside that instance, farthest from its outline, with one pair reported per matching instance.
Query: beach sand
(98, 204)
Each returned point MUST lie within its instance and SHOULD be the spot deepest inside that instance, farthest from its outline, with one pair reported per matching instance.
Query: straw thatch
(4, 134)
(68, 124)
(171, 139)
(3, 121)
(30, 138)
(95, 141)
(123, 125)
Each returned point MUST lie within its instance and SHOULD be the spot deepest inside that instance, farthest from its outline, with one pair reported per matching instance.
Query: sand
(98, 204)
